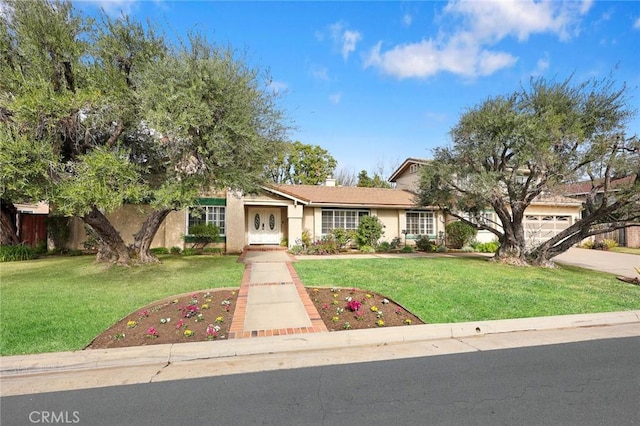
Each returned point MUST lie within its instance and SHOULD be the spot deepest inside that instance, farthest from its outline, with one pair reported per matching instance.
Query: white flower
(348, 298)
(385, 301)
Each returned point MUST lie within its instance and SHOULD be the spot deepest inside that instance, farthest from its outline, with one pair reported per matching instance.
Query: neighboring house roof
(582, 188)
(405, 165)
(346, 196)
(555, 200)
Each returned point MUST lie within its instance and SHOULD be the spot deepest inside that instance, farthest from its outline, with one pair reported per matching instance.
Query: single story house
(279, 214)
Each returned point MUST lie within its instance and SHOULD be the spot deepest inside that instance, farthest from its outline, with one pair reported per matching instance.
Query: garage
(540, 228)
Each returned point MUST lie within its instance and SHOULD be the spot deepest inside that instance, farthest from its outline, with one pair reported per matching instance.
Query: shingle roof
(581, 188)
(555, 200)
(348, 195)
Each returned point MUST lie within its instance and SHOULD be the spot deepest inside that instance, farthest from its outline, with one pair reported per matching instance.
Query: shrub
(296, 250)
(189, 251)
(306, 238)
(468, 249)
(490, 247)
(369, 231)
(587, 244)
(442, 249)
(16, 253)
(384, 247)
(407, 249)
(343, 237)
(367, 249)
(327, 245)
(175, 250)
(605, 244)
(425, 244)
(204, 233)
(459, 233)
(159, 250)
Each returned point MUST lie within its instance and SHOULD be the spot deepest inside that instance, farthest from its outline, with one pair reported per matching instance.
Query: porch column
(294, 220)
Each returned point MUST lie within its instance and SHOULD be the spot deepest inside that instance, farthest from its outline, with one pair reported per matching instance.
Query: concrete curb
(24, 366)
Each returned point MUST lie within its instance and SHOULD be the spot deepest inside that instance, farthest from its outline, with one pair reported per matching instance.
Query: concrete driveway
(620, 264)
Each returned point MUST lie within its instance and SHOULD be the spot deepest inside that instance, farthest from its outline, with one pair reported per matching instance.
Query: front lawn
(61, 303)
(439, 289)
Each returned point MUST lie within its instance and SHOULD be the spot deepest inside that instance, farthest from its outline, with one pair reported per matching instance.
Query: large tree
(511, 150)
(132, 118)
(377, 181)
(300, 164)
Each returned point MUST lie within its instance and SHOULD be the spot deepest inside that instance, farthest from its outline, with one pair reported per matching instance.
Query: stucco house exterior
(279, 214)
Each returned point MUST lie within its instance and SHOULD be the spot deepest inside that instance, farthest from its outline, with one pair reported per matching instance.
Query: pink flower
(152, 332)
(353, 305)
(180, 324)
(189, 311)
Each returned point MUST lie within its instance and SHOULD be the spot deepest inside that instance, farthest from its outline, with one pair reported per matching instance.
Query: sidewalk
(20, 375)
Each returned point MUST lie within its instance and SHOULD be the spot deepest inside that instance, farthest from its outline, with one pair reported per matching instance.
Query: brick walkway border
(237, 331)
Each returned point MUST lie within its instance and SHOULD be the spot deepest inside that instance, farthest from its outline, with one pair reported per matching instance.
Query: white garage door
(539, 228)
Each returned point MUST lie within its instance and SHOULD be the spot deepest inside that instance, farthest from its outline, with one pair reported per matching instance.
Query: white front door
(264, 226)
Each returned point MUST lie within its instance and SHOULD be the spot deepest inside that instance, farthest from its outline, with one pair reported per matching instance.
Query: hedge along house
(547, 215)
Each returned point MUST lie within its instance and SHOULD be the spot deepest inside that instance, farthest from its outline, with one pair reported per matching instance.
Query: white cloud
(345, 40)
(542, 65)
(407, 20)
(319, 72)
(427, 58)
(349, 41)
(278, 86)
(636, 24)
(116, 7)
(335, 98)
(467, 51)
(491, 21)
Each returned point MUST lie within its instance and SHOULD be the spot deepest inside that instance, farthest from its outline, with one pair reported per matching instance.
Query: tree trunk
(512, 245)
(8, 225)
(113, 249)
(144, 237)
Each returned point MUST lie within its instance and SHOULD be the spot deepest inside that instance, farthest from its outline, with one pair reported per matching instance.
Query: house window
(420, 223)
(214, 215)
(341, 219)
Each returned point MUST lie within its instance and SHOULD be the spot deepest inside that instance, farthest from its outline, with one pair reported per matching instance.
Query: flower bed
(199, 316)
(352, 309)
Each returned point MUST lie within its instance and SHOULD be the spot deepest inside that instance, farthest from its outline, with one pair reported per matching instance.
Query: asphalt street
(586, 383)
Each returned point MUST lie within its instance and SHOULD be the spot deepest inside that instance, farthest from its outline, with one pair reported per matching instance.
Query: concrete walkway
(272, 300)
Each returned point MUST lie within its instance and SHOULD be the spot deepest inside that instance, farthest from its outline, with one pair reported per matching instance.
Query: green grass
(629, 250)
(61, 303)
(467, 289)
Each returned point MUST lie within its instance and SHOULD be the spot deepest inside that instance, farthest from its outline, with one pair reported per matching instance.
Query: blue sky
(377, 82)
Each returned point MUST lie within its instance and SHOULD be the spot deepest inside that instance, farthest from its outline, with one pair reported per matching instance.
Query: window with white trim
(341, 219)
(420, 223)
(214, 215)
